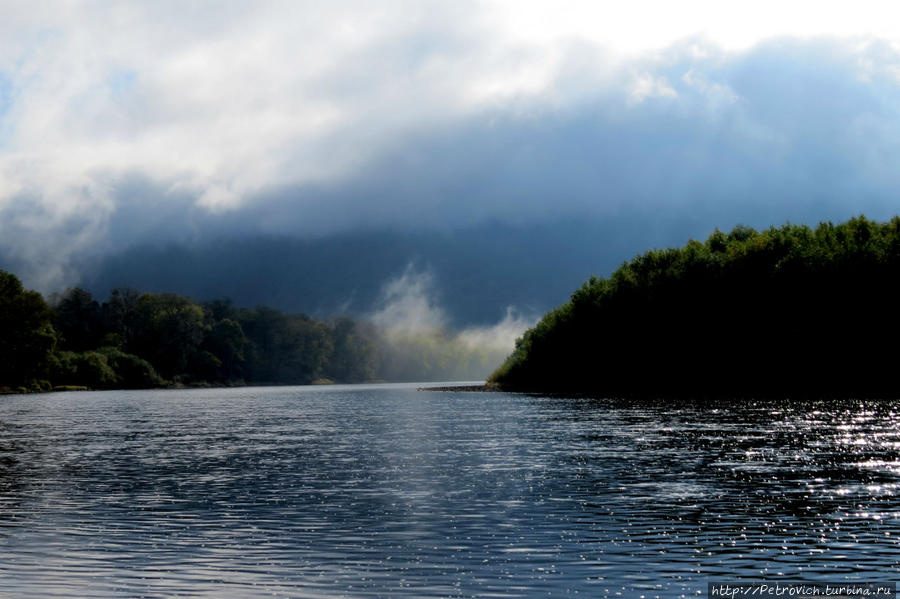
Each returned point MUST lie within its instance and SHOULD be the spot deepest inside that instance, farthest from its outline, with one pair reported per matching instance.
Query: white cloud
(237, 96)
(639, 26)
(646, 86)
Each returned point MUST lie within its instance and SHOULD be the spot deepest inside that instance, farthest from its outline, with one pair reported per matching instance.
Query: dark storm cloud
(789, 131)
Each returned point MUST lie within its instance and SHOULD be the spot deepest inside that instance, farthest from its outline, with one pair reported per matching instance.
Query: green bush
(131, 371)
(89, 369)
(41, 386)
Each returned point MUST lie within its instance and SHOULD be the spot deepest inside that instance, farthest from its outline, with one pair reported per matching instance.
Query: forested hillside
(783, 312)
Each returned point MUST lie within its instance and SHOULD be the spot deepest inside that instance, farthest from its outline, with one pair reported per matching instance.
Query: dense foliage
(27, 338)
(141, 340)
(783, 312)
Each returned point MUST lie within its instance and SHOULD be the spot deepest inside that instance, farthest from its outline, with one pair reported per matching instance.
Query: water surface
(382, 491)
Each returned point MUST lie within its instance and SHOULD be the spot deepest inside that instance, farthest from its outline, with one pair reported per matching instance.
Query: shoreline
(176, 387)
(463, 388)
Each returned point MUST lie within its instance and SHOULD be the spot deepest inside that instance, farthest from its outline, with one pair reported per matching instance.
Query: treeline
(138, 340)
(143, 340)
(789, 311)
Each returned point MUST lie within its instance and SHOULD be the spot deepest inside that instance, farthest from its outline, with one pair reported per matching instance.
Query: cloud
(128, 123)
(792, 130)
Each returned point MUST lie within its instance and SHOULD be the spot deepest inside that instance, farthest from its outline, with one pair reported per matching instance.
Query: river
(385, 491)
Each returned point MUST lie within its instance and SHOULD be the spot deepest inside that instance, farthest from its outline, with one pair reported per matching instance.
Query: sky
(125, 123)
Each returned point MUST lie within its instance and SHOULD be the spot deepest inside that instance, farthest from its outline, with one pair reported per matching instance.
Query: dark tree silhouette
(786, 311)
(27, 337)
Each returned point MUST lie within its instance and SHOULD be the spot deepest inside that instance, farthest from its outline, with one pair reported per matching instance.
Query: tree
(284, 348)
(119, 316)
(168, 331)
(27, 337)
(353, 356)
(785, 311)
(78, 321)
(226, 341)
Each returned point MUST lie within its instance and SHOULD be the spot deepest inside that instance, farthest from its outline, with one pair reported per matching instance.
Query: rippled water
(384, 490)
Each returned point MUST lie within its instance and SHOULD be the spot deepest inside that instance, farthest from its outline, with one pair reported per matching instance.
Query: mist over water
(420, 343)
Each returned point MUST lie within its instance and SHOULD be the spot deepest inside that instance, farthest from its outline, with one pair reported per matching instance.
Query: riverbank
(463, 388)
(206, 385)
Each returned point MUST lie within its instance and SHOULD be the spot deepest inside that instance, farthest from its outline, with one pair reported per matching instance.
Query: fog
(417, 342)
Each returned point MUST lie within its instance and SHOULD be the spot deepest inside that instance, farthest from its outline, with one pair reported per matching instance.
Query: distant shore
(320, 382)
(464, 388)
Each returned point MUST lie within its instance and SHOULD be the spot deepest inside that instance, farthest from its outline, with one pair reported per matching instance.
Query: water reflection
(763, 488)
(385, 491)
